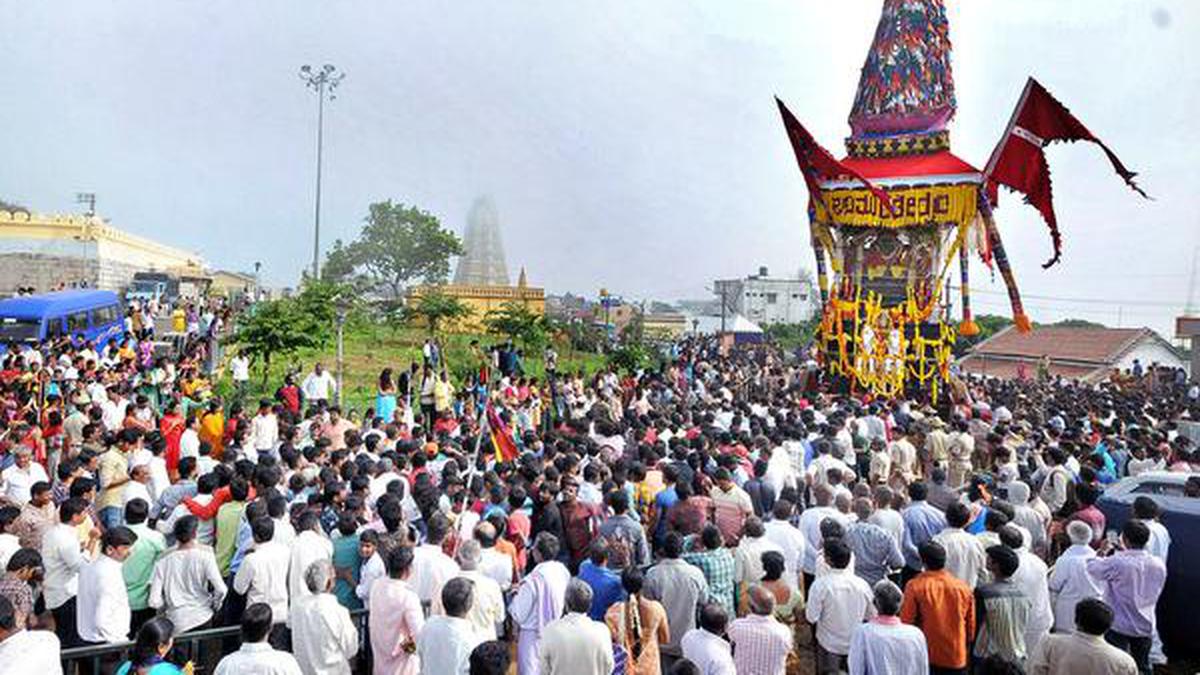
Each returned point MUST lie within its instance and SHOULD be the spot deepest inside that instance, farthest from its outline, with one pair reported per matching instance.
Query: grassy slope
(370, 348)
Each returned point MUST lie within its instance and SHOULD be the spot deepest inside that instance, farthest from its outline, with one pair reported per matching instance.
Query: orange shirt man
(943, 607)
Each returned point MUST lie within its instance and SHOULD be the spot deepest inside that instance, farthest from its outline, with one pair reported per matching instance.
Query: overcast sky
(631, 145)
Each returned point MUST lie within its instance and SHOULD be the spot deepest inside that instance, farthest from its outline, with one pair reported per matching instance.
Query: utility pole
(1190, 307)
(323, 81)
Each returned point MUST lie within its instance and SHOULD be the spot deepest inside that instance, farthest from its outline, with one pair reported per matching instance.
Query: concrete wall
(48, 251)
(46, 265)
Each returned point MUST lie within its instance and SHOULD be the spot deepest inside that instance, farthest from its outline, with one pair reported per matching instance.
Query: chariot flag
(502, 441)
(1019, 161)
(816, 164)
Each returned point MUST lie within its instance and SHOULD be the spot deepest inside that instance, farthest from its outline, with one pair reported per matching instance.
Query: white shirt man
(239, 369)
(61, 559)
(29, 651)
(9, 544)
(1031, 577)
(965, 555)
(497, 566)
(324, 638)
(747, 557)
(710, 652)
(885, 646)
(486, 612)
(308, 548)
(431, 568)
(113, 412)
(810, 527)
(284, 532)
(263, 575)
(837, 603)
(791, 541)
(318, 385)
(258, 658)
(181, 582)
(372, 570)
(576, 645)
(20, 477)
(1070, 581)
(264, 430)
(446, 640)
(189, 443)
(102, 608)
(445, 645)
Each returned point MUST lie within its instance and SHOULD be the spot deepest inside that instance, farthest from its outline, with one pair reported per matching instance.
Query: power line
(1100, 301)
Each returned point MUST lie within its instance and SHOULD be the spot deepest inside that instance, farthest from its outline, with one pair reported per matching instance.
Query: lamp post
(324, 81)
(604, 304)
(341, 305)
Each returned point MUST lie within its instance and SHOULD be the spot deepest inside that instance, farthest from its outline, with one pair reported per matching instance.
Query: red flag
(1020, 163)
(502, 441)
(816, 164)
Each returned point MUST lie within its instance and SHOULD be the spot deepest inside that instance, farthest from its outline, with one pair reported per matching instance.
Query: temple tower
(482, 263)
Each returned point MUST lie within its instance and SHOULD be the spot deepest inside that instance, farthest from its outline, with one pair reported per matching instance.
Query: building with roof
(768, 300)
(1087, 354)
(47, 252)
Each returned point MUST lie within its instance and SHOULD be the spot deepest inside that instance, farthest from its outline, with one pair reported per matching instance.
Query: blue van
(1180, 514)
(95, 315)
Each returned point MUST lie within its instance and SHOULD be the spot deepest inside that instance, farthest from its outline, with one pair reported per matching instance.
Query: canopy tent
(735, 324)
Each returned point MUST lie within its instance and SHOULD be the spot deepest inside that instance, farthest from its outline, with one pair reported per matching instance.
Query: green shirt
(138, 568)
(229, 518)
(718, 567)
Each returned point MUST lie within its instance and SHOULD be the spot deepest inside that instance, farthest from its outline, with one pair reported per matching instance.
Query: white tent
(743, 329)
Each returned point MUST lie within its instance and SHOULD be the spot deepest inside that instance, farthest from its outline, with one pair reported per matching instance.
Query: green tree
(790, 336)
(629, 356)
(435, 308)
(276, 328)
(989, 325)
(585, 336)
(398, 245)
(518, 323)
(315, 308)
(1077, 323)
(341, 264)
(12, 207)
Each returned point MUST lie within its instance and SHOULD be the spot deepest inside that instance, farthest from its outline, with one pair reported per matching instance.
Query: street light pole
(323, 81)
(340, 309)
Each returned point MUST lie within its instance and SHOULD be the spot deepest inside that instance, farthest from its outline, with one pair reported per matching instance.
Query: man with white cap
(1070, 582)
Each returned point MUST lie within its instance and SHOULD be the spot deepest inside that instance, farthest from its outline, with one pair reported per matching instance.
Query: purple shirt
(1132, 581)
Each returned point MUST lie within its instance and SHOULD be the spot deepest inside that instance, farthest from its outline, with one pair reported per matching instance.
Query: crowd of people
(717, 514)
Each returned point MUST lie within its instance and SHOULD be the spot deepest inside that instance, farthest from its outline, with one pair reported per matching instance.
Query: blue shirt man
(606, 584)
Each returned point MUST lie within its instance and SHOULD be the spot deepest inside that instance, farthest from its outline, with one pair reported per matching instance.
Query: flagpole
(481, 424)
(1012, 121)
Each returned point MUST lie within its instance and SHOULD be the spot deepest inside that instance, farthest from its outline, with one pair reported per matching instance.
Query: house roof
(1061, 343)
(1086, 354)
